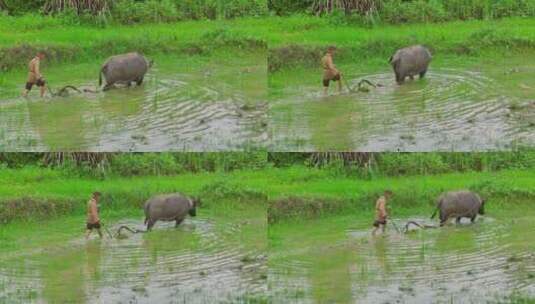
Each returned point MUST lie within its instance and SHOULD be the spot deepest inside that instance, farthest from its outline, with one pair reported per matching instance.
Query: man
(380, 212)
(34, 75)
(330, 72)
(93, 221)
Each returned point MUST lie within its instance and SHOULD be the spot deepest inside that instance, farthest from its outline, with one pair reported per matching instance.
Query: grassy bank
(307, 193)
(52, 203)
(301, 41)
(23, 37)
(294, 39)
(34, 194)
(296, 191)
(76, 52)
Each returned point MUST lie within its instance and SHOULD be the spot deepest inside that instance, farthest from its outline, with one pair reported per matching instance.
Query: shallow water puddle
(488, 261)
(200, 262)
(452, 108)
(205, 108)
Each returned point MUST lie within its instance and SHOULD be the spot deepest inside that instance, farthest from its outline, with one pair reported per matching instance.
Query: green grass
(309, 37)
(89, 42)
(305, 193)
(310, 30)
(316, 191)
(44, 188)
(49, 31)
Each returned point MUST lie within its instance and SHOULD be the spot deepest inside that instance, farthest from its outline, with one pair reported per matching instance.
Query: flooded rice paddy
(336, 260)
(192, 106)
(205, 260)
(456, 107)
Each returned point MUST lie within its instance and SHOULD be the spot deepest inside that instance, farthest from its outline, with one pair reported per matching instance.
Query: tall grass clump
(130, 11)
(102, 165)
(405, 11)
(369, 165)
(137, 11)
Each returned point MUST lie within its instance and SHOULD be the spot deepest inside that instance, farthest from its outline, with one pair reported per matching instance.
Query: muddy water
(491, 260)
(203, 107)
(202, 261)
(461, 109)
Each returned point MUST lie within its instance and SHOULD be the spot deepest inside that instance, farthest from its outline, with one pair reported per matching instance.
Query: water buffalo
(459, 204)
(124, 68)
(169, 207)
(410, 61)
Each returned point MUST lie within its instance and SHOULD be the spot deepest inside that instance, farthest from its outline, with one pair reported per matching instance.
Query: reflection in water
(199, 262)
(474, 263)
(63, 280)
(449, 109)
(331, 276)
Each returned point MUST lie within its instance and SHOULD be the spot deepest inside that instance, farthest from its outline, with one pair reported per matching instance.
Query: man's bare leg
(340, 85)
(87, 233)
(375, 231)
(43, 90)
(383, 227)
(325, 91)
(25, 93)
(99, 232)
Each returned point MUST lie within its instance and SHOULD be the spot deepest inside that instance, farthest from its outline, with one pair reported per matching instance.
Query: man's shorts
(40, 82)
(91, 226)
(327, 81)
(377, 223)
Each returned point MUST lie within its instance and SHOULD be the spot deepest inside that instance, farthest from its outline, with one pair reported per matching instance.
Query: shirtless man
(93, 221)
(34, 75)
(380, 212)
(330, 72)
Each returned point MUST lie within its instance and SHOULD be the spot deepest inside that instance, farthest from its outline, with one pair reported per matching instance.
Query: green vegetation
(301, 40)
(31, 192)
(73, 44)
(311, 193)
(103, 12)
(297, 184)
(368, 165)
(370, 12)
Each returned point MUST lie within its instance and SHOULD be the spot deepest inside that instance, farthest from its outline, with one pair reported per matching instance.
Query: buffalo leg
(139, 81)
(150, 223)
(458, 220)
(178, 221)
(412, 77)
(473, 218)
(422, 74)
(443, 220)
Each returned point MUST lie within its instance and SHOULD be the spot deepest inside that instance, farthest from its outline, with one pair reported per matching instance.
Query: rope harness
(118, 234)
(64, 91)
(362, 86)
